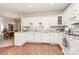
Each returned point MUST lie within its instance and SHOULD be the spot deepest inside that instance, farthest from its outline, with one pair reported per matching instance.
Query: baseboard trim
(53, 43)
(37, 43)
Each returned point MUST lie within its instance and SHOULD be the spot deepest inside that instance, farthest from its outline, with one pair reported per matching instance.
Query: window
(59, 20)
(1, 27)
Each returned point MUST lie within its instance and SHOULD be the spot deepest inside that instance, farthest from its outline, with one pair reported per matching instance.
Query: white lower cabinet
(19, 39)
(37, 37)
(72, 46)
(45, 37)
(29, 36)
(51, 38)
(56, 37)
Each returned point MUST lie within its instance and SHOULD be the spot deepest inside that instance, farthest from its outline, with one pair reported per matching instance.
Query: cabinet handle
(64, 45)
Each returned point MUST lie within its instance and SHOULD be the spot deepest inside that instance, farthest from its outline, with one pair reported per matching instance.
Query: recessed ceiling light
(51, 3)
(30, 6)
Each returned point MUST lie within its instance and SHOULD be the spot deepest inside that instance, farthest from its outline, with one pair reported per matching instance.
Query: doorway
(10, 26)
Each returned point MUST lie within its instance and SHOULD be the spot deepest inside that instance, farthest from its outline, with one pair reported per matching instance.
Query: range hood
(75, 23)
(59, 26)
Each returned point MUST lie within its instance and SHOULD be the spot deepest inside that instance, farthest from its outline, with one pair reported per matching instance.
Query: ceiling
(12, 9)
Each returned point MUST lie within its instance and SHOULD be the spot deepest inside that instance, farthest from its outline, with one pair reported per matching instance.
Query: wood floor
(32, 49)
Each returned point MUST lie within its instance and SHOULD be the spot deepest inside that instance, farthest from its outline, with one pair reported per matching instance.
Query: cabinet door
(45, 37)
(29, 36)
(20, 38)
(55, 37)
(51, 38)
(37, 37)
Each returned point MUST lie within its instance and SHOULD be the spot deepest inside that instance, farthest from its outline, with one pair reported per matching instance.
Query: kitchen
(53, 24)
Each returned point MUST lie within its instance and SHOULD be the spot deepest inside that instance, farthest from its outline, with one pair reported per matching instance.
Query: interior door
(10, 26)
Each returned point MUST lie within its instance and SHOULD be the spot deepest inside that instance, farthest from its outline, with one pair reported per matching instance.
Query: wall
(71, 14)
(3, 23)
(16, 25)
(47, 19)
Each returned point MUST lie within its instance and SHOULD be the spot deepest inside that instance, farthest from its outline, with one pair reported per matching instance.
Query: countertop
(73, 36)
(40, 32)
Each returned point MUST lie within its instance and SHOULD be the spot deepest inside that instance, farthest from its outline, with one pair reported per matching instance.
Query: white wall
(69, 13)
(50, 18)
(3, 23)
(47, 19)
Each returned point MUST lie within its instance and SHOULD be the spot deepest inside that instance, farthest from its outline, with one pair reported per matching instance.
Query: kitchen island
(37, 37)
(71, 46)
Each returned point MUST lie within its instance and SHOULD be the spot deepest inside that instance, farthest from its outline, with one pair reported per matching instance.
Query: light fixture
(51, 3)
(30, 6)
